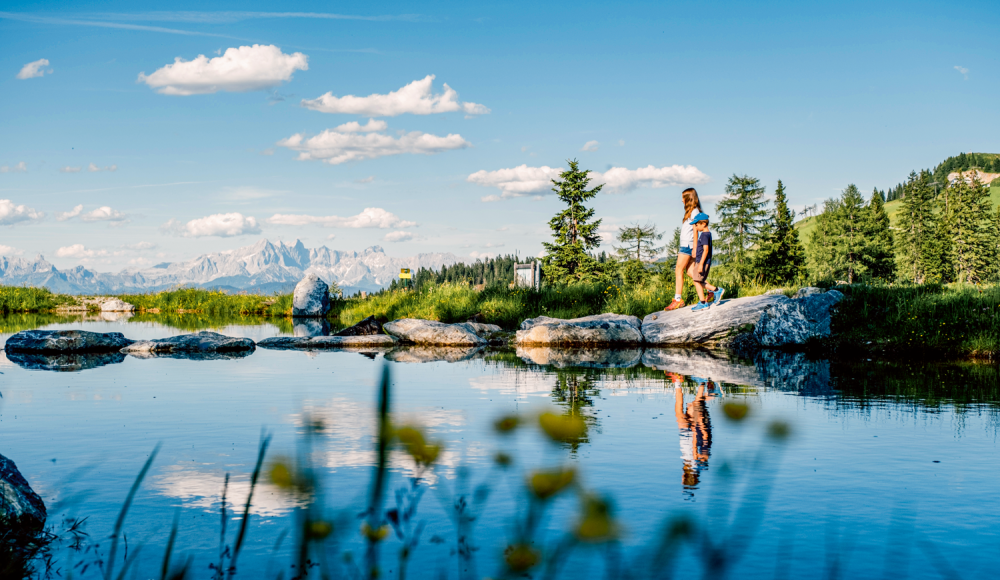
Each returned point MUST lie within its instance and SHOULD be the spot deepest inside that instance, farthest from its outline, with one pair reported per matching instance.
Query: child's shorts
(699, 277)
(684, 250)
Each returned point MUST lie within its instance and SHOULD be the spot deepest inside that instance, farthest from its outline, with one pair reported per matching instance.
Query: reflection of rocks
(592, 358)
(66, 341)
(197, 343)
(20, 506)
(794, 371)
(311, 297)
(686, 327)
(607, 329)
(797, 321)
(311, 327)
(114, 316)
(327, 342)
(116, 305)
(431, 332)
(702, 363)
(224, 355)
(422, 354)
(64, 362)
(366, 327)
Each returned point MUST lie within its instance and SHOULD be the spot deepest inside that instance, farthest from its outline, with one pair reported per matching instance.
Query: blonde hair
(691, 202)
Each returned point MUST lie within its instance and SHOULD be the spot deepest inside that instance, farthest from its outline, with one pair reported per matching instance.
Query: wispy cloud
(40, 19)
(69, 169)
(590, 146)
(963, 70)
(94, 168)
(415, 98)
(355, 142)
(34, 69)
(371, 217)
(223, 17)
(398, 236)
(19, 168)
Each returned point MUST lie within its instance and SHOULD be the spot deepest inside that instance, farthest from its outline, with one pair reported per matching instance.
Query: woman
(692, 205)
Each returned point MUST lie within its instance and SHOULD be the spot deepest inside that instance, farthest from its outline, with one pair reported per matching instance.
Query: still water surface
(889, 470)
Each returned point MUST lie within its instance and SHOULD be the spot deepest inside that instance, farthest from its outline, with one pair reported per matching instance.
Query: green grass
(211, 302)
(929, 321)
(21, 299)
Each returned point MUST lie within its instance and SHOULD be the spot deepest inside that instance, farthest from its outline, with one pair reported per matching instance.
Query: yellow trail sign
(404, 273)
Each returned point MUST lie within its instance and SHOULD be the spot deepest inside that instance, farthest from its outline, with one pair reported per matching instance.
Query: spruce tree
(820, 248)
(567, 260)
(973, 236)
(639, 242)
(915, 227)
(850, 243)
(780, 257)
(741, 217)
(880, 257)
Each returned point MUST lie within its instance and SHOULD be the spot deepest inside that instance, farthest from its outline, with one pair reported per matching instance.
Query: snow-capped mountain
(262, 267)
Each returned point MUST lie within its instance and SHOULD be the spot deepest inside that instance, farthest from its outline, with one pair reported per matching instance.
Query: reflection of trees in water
(575, 392)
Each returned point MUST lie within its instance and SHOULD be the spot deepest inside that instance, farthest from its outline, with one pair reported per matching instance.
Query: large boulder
(366, 327)
(797, 321)
(684, 327)
(20, 506)
(199, 342)
(588, 358)
(66, 341)
(116, 305)
(599, 329)
(431, 332)
(311, 297)
(327, 342)
(64, 362)
(306, 327)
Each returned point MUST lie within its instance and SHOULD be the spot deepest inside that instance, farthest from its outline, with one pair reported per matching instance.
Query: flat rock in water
(426, 354)
(717, 366)
(366, 327)
(431, 332)
(683, 326)
(311, 297)
(116, 305)
(327, 342)
(199, 342)
(311, 327)
(589, 358)
(66, 341)
(20, 506)
(64, 362)
(797, 321)
(599, 329)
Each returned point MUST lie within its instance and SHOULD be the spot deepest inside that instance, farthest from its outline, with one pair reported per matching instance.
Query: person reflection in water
(695, 430)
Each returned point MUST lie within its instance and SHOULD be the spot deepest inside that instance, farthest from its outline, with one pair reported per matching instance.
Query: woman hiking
(692, 205)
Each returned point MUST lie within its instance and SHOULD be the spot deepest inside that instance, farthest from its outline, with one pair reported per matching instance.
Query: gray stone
(66, 341)
(116, 305)
(808, 291)
(366, 327)
(20, 506)
(590, 358)
(599, 329)
(64, 362)
(327, 342)
(426, 354)
(684, 327)
(774, 291)
(798, 321)
(311, 297)
(714, 365)
(311, 327)
(430, 332)
(199, 342)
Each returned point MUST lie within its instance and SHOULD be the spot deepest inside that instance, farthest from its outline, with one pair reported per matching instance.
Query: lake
(844, 469)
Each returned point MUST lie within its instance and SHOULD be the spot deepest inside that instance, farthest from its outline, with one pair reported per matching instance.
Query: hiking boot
(709, 296)
(675, 305)
(718, 297)
(701, 306)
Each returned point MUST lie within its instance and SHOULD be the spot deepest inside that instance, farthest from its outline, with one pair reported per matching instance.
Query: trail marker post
(404, 274)
(528, 275)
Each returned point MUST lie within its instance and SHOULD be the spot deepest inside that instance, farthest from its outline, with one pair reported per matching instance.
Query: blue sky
(816, 95)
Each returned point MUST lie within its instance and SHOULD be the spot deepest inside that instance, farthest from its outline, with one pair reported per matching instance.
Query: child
(702, 264)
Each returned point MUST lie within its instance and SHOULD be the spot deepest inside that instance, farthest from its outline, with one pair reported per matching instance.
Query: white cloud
(11, 214)
(523, 180)
(79, 251)
(490, 198)
(19, 168)
(368, 179)
(10, 251)
(963, 70)
(65, 215)
(590, 146)
(247, 68)
(398, 236)
(223, 225)
(370, 127)
(621, 142)
(335, 147)
(34, 69)
(93, 168)
(371, 217)
(104, 214)
(69, 169)
(331, 237)
(139, 246)
(516, 181)
(482, 255)
(415, 98)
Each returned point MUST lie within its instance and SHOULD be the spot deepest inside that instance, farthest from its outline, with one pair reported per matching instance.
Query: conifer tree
(916, 228)
(821, 245)
(850, 243)
(780, 257)
(973, 236)
(567, 260)
(639, 242)
(880, 258)
(741, 217)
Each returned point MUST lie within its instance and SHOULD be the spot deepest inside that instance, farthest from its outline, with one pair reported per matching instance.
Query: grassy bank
(21, 299)
(211, 303)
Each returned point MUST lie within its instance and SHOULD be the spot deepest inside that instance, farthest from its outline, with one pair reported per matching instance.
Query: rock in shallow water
(20, 506)
(366, 327)
(431, 332)
(589, 358)
(311, 297)
(599, 329)
(683, 326)
(66, 341)
(326, 342)
(64, 362)
(199, 342)
(798, 321)
(116, 305)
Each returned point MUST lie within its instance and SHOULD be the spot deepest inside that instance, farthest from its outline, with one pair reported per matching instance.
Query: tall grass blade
(378, 483)
(125, 507)
(265, 440)
(165, 569)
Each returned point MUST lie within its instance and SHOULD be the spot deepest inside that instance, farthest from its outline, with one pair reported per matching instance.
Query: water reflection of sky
(858, 469)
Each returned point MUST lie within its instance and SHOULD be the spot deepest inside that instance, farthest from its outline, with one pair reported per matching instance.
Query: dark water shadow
(64, 362)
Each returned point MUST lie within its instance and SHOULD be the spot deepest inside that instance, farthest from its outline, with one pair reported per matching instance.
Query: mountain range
(264, 267)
